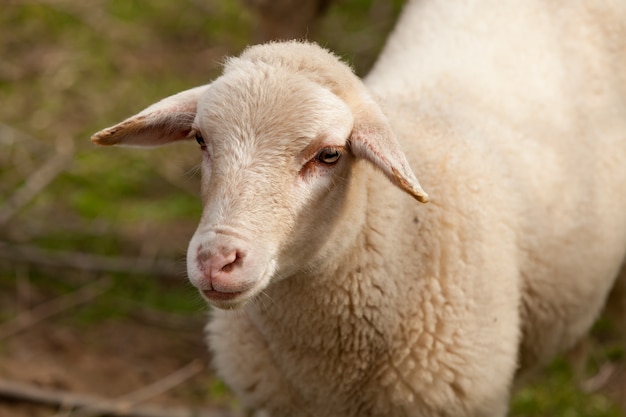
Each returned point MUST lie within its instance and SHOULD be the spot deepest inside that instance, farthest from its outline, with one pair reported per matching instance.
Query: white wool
(340, 294)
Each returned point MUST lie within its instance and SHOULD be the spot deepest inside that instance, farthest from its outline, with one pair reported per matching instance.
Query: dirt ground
(109, 360)
(79, 54)
(114, 357)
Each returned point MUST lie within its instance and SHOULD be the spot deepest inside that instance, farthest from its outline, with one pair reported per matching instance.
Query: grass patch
(73, 68)
(556, 394)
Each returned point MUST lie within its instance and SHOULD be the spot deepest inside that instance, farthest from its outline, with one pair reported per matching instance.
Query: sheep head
(279, 133)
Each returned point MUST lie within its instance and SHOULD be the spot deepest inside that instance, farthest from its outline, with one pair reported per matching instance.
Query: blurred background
(94, 303)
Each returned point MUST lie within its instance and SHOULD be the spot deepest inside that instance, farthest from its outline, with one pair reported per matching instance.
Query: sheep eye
(328, 156)
(200, 139)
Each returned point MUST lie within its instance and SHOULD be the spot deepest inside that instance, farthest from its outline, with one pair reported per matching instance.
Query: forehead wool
(261, 103)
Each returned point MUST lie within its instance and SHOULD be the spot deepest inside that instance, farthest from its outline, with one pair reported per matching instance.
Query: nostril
(223, 262)
(233, 260)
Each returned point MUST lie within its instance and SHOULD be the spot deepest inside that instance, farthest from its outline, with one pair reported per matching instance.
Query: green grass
(556, 394)
(72, 68)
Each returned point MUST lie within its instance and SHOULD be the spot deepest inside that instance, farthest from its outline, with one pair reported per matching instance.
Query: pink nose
(219, 267)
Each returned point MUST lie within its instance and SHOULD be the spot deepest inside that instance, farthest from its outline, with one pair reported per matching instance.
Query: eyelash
(332, 154)
(327, 156)
(200, 140)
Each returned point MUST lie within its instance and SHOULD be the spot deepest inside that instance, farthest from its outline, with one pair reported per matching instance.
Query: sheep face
(278, 133)
(275, 162)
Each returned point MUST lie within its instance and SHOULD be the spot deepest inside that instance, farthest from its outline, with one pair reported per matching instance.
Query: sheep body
(573, 95)
(356, 301)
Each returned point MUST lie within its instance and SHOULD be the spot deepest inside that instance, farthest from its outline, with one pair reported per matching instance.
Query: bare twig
(9, 135)
(27, 392)
(50, 308)
(600, 379)
(19, 158)
(38, 181)
(89, 262)
(127, 402)
(162, 319)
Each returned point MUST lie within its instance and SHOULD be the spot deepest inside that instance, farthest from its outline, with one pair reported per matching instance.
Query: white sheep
(340, 295)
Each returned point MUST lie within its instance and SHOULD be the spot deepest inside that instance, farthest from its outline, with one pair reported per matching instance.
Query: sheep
(337, 294)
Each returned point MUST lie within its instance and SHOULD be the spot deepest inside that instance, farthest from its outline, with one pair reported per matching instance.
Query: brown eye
(328, 156)
(200, 139)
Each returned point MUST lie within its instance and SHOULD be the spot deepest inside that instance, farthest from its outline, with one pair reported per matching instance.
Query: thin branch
(10, 135)
(599, 380)
(129, 401)
(89, 262)
(162, 319)
(51, 308)
(38, 181)
(20, 391)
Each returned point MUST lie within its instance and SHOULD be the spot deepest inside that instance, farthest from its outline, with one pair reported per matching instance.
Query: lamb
(338, 294)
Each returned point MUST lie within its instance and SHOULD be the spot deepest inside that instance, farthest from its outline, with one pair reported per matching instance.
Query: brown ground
(110, 359)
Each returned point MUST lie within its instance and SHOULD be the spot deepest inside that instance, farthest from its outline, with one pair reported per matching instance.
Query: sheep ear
(373, 139)
(164, 122)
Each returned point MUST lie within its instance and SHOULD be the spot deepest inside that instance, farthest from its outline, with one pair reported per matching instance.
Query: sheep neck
(338, 312)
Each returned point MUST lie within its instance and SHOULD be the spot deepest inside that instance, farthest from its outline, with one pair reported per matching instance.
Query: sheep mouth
(231, 300)
(226, 300)
(220, 296)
